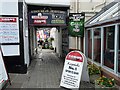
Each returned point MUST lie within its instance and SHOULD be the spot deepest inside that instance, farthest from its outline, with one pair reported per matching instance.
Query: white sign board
(3, 73)
(72, 71)
(10, 50)
(9, 30)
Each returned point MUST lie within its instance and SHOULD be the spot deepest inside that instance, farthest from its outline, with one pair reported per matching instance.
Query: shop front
(102, 46)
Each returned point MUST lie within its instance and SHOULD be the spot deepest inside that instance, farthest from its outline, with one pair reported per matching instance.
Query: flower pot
(94, 77)
(101, 87)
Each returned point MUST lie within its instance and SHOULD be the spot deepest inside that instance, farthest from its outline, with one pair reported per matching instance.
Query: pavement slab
(44, 71)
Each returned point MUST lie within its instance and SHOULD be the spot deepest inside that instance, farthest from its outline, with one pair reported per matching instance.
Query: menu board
(9, 30)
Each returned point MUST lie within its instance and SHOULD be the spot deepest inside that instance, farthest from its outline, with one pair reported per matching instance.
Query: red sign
(40, 21)
(8, 20)
(74, 56)
(40, 17)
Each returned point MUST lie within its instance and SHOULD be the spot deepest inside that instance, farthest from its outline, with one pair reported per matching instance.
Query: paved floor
(42, 73)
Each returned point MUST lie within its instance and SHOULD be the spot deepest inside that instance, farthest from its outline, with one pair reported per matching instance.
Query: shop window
(97, 45)
(109, 35)
(89, 44)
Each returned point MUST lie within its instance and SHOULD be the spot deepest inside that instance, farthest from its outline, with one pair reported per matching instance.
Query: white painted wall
(9, 7)
(89, 7)
(72, 42)
(25, 35)
(58, 41)
(52, 34)
(48, 2)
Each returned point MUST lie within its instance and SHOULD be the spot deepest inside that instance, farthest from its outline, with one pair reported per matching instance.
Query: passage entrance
(48, 28)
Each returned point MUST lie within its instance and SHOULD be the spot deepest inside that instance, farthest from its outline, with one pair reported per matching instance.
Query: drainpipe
(76, 12)
(76, 6)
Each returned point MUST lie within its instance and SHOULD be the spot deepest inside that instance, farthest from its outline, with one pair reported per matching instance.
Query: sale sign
(72, 70)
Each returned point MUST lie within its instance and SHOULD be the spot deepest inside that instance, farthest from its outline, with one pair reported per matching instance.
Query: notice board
(9, 30)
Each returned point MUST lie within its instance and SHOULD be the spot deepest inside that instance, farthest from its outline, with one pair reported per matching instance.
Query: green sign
(76, 24)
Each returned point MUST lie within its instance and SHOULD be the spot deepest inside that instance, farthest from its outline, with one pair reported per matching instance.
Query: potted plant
(104, 82)
(94, 72)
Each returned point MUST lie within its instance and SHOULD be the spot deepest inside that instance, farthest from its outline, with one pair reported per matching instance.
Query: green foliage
(93, 69)
(105, 82)
(51, 39)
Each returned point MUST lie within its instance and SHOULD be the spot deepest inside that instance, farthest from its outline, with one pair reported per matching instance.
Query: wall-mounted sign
(41, 17)
(75, 67)
(10, 50)
(76, 24)
(9, 30)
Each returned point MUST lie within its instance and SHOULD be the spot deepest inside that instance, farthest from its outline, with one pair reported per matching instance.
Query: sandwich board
(75, 70)
(3, 72)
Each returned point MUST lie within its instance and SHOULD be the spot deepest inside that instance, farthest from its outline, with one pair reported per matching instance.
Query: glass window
(97, 45)
(89, 44)
(109, 35)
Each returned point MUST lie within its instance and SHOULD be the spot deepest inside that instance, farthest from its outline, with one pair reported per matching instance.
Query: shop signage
(3, 73)
(9, 30)
(74, 66)
(41, 17)
(76, 24)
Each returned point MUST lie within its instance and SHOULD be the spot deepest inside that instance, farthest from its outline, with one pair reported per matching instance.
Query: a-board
(75, 70)
(3, 72)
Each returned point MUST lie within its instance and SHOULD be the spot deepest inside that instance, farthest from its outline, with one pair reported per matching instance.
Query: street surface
(44, 72)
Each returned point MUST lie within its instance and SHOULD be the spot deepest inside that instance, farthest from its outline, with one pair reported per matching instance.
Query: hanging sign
(74, 66)
(46, 17)
(3, 73)
(76, 24)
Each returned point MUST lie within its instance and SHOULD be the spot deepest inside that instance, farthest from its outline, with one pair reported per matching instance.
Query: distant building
(90, 8)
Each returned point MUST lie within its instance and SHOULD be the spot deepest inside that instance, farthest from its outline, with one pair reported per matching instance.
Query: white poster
(9, 30)
(3, 73)
(10, 50)
(73, 70)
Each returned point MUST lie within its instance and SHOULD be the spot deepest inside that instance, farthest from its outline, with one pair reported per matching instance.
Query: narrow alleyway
(44, 72)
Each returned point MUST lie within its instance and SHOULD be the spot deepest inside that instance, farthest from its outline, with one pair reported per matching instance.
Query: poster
(9, 30)
(73, 70)
(10, 50)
